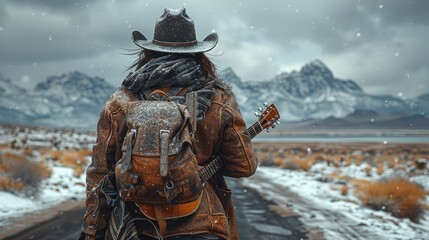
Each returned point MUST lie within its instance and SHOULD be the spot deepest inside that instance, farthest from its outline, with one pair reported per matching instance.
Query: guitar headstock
(269, 116)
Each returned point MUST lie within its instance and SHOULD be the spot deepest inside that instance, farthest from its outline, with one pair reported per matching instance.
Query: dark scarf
(176, 72)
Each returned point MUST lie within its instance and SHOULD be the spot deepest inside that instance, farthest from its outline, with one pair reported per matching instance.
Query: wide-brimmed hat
(175, 33)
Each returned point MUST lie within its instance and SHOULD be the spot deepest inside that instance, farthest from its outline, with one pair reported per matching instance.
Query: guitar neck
(254, 130)
(212, 167)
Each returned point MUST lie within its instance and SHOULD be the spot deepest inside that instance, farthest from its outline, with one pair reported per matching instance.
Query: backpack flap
(149, 118)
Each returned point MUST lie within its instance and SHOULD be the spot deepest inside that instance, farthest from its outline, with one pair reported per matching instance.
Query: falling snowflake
(381, 6)
(358, 34)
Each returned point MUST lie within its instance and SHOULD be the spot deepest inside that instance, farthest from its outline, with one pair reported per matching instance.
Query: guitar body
(169, 211)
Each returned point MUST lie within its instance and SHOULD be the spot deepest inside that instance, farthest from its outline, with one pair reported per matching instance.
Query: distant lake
(342, 139)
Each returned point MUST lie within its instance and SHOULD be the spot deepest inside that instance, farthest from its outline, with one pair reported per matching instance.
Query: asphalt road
(257, 219)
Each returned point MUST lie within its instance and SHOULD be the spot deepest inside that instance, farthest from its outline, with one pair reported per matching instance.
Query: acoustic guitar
(268, 118)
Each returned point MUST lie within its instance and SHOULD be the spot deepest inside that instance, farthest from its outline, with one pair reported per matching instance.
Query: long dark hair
(144, 56)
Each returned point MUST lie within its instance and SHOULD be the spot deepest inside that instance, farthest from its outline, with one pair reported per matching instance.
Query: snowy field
(322, 207)
(315, 194)
(48, 146)
(60, 187)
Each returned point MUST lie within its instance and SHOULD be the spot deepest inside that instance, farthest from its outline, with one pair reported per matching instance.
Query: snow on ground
(61, 186)
(339, 217)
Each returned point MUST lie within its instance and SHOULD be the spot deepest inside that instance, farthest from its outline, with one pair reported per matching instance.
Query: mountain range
(314, 96)
(69, 100)
(309, 96)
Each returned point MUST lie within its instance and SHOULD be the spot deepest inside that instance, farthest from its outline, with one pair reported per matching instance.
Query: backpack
(158, 166)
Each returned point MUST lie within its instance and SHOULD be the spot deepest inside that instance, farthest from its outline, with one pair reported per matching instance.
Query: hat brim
(201, 46)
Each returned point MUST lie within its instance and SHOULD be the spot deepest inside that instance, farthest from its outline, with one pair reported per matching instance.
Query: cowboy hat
(175, 33)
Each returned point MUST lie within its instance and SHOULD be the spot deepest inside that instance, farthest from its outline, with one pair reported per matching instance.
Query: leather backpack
(158, 167)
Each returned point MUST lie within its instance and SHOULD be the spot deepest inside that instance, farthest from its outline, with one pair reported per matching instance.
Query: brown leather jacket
(220, 133)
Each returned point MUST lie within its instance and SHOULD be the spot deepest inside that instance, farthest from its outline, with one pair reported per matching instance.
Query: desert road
(257, 218)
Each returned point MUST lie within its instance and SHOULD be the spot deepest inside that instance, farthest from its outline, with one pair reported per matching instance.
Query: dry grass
(28, 151)
(11, 185)
(20, 173)
(380, 168)
(51, 154)
(344, 190)
(398, 196)
(401, 198)
(337, 176)
(76, 160)
(358, 159)
(296, 164)
(392, 163)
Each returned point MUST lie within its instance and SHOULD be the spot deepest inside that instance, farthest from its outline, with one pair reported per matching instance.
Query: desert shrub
(398, 196)
(344, 189)
(337, 175)
(53, 155)
(22, 174)
(392, 163)
(357, 159)
(265, 158)
(296, 164)
(11, 185)
(380, 168)
(278, 161)
(76, 160)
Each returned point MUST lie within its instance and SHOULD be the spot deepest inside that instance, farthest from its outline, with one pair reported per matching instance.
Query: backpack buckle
(163, 152)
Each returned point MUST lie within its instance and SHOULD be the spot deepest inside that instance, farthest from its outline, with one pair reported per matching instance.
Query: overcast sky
(381, 44)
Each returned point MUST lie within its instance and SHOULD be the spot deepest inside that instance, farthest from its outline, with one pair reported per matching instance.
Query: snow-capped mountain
(69, 100)
(75, 99)
(314, 93)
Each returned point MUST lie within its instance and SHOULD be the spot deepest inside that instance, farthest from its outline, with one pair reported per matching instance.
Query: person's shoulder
(223, 87)
(224, 93)
(120, 98)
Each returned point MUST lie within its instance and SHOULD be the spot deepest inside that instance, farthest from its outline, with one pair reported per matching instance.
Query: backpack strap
(131, 135)
(160, 92)
(162, 223)
(183, 91)
(192, 106)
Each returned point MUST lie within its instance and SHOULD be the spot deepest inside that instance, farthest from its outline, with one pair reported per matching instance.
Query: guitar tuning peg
(268, 130)
(265, 104)
(278, 122)
(257, 114)
(260, 109)
(274, 126)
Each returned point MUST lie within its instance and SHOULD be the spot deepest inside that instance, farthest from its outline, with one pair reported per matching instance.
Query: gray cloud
(76, 5)
(376, 41)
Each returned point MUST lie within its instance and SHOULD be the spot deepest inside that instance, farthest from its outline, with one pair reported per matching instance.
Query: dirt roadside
(62, 221)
